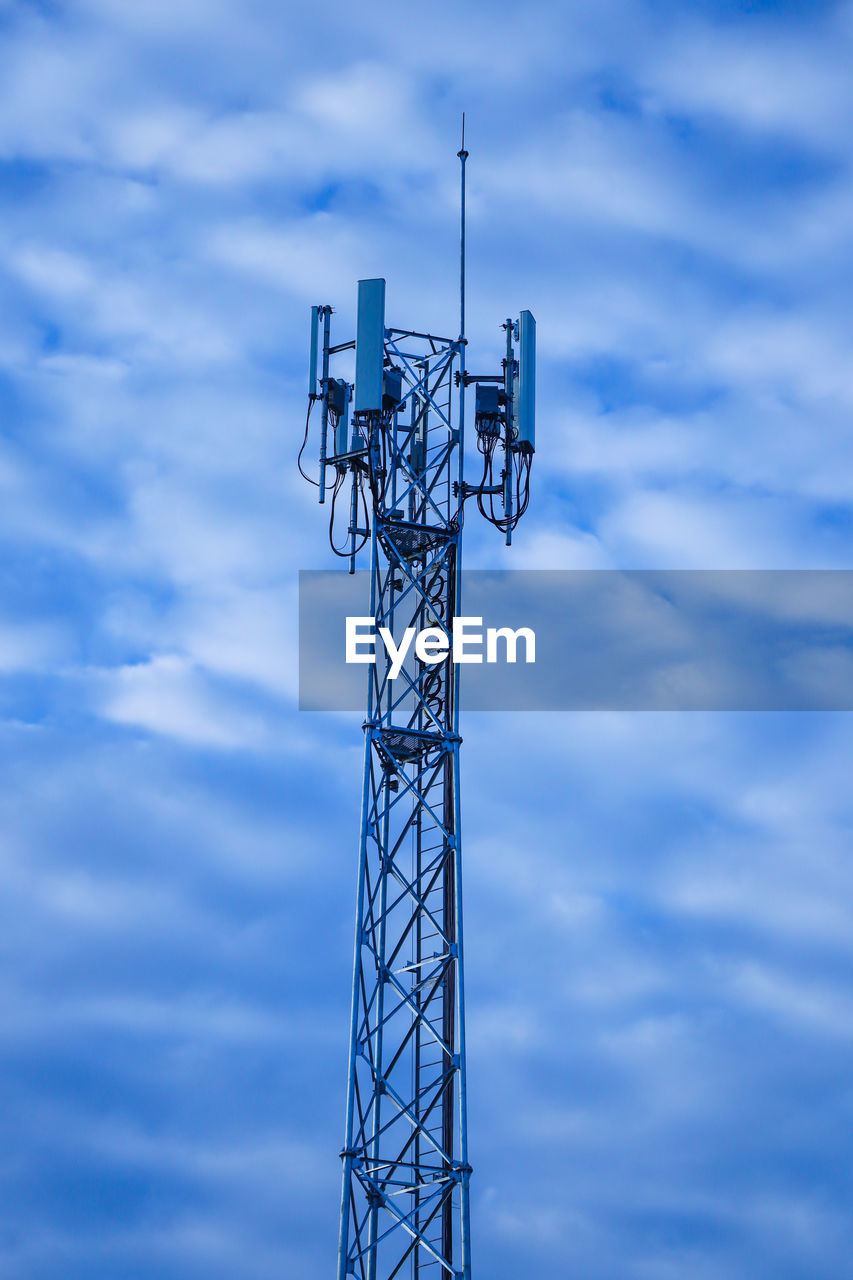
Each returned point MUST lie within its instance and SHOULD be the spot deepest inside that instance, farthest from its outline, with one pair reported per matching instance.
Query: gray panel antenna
(370, 346)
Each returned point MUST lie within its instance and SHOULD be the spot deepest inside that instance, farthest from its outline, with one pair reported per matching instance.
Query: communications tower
(392, 455)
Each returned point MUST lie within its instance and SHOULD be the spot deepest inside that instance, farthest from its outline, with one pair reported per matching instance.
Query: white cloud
(309, 258)
(670, 529)
(246, 635)
(29, 647)
(817, 1006)
(168, 696)
(794, 84)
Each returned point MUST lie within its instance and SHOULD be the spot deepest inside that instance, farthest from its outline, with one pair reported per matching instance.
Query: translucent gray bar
(645, 640)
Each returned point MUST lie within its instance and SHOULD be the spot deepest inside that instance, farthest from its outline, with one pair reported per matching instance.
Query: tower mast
(405, 1187)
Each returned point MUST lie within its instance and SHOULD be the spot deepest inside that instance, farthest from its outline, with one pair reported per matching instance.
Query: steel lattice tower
(405, 1194)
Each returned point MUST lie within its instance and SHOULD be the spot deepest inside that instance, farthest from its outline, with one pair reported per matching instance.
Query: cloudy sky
(659, 908)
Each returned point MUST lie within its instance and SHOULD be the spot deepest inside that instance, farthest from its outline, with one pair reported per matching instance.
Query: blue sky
(659, 908)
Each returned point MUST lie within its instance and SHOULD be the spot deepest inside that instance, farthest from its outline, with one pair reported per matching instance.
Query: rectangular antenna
(369, 346)
(526, 403)
(342, 409)
(312, 362)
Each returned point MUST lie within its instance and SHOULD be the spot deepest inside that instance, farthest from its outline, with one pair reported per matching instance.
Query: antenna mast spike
(463, 156)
